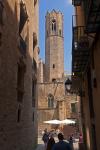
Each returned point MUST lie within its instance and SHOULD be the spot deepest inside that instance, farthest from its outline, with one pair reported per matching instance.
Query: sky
(65, 6)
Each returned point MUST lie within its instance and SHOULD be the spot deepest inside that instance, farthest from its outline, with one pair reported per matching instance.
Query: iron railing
(80, 50)
(92, 15)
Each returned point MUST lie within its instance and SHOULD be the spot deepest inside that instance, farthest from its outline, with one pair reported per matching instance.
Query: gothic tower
(54, 46)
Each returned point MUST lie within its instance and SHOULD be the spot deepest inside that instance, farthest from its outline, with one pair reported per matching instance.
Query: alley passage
(40, 145)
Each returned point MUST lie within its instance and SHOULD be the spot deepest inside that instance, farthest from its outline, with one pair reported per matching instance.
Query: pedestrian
(80, 138)
(71, 141)
(45, 138)
(61, 145)
(50, 143)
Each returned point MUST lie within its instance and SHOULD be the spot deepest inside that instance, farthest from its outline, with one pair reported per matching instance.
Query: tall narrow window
(33, 92)
(1, 13)
(19, 115)
(60, 32)
(50, 101)
(53, 25)
(73, 107)
(20, 82)
(53, 66)
(33, 117)
(47, 33)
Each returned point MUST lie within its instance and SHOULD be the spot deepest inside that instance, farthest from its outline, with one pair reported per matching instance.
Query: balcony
(23, 16)
(92, 15)
(22, 47)
(76, 2)
(80, 50)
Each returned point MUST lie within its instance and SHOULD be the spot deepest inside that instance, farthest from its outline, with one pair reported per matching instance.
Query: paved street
(41, 144)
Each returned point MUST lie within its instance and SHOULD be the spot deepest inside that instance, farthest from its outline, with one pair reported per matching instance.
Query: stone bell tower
(54, 46)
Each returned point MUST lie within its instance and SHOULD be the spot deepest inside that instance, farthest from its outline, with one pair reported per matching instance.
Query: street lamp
(68, 84)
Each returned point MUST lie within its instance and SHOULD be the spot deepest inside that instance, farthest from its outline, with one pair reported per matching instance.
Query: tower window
(53, 66)
(33, 117)
(60, 32)
(47, 33)
(50, 101)
(53, 25)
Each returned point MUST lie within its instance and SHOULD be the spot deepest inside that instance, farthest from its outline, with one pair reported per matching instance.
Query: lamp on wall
(68, 84)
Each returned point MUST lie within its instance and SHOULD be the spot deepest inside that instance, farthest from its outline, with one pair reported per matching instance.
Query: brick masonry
(16, 135)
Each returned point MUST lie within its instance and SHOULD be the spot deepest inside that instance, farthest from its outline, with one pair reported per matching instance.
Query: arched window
(50, 101)
(53, 25)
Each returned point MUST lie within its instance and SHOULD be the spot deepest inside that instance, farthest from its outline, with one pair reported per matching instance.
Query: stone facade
(52, 101)
(90, 75)
(18, 22)
(57, 109)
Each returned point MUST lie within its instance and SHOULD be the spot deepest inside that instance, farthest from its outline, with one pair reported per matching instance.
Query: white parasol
(68, 121)
(53, 121)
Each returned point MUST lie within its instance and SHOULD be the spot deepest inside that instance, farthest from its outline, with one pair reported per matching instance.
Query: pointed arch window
(53, 25)
(50, 101)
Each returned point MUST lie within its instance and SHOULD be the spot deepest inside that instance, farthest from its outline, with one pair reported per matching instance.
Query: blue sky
(67, 9)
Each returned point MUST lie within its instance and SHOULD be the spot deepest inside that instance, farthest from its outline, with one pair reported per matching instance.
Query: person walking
(45, 138)
(71, 141)
(50, 143)
(61, 145)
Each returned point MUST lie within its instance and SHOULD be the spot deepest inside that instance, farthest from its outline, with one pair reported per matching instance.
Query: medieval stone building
(86, 68)
(52, 102)
(18, 73)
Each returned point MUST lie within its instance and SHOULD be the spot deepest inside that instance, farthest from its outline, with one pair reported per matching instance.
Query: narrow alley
(49, 74)
(41, 146)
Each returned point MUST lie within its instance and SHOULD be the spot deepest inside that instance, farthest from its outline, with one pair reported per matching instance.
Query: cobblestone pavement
(41, 144)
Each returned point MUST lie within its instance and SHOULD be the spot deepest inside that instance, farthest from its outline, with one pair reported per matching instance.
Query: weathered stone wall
(96, 93)
(61, 109)
(17, 130)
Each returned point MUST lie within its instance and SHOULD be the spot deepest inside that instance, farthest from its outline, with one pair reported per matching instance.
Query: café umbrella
(67, 121)
(53, 122)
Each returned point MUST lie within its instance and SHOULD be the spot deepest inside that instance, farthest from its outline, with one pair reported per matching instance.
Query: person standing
(71, 141)
(61, 145)
(45, 138)
(50, 143)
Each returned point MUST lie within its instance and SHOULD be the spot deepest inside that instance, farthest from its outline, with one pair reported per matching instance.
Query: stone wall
(60, 110)
(16, 113)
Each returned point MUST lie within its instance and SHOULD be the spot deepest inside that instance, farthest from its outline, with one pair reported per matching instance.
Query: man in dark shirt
(61, 145)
